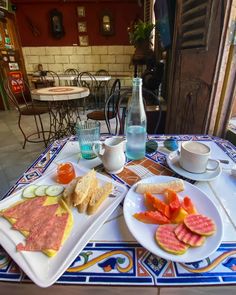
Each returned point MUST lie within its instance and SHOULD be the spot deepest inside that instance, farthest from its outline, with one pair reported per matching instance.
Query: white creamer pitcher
(112, 154)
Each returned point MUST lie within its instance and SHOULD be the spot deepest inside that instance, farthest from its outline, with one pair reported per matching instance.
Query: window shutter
(195, 23)
(148, 11)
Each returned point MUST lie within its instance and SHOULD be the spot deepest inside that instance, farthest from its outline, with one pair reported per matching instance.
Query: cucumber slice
(54, 190)
(29, 191)
(41, 190)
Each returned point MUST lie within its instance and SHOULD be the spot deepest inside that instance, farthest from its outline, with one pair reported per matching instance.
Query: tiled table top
(113, 257)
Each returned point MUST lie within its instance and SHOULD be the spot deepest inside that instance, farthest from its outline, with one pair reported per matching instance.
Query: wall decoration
(4, 4)
(13, 66)
(16, 81)
(83, 40)
(106, 23)
(56, 22)
(82, 27)
(81, 11)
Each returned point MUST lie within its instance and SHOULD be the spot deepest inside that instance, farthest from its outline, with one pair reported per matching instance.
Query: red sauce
(65, 173)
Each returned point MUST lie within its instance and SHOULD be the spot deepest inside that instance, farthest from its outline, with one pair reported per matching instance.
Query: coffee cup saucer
(173, 163)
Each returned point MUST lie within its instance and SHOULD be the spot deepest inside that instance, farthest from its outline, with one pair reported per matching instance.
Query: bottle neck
(136, 115)
(137, 91)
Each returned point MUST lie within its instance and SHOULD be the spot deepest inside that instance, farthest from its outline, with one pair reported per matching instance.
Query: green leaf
(141, 31)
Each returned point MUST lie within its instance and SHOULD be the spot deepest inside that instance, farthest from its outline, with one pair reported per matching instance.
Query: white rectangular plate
(41, 269)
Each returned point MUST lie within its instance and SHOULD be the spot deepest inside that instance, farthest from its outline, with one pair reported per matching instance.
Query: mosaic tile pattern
(130, 264)
(127, 263)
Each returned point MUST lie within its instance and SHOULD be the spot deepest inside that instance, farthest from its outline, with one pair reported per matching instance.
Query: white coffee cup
(195, 157)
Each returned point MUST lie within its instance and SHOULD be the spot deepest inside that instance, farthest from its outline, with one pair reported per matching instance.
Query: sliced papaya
(148, 201)
(173, 201)
(179, 216)
(188, 205)
(187, 236)
(167, 240)
(157, 204)
(154, 217)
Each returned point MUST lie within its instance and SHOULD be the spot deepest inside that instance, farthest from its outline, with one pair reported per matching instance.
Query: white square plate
(41, 269)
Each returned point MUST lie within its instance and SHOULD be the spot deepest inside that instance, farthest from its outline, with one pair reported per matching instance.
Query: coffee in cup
(195, 157)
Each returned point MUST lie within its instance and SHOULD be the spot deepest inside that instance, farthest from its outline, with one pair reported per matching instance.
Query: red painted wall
(38, 13)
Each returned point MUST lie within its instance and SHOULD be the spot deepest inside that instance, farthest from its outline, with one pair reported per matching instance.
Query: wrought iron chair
(152, 108)
(19, 95)
(103, 87)
(74, 72)
(86, 79)
(102, 72)
(54, 77)
(110, 109)
(40, 80)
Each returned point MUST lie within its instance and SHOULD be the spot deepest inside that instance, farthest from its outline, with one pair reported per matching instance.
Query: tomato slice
(163, 208)
(153, 217)
(188, 205)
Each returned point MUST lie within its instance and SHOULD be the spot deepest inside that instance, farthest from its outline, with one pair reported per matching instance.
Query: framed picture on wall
(81, 11)
(82, 27)
(4, 4)
(83, 40)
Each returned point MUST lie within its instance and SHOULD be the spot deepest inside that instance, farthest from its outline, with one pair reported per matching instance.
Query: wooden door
(10, 54)
(198, 29)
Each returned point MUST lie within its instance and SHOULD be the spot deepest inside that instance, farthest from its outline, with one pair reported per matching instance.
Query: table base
(64, 116)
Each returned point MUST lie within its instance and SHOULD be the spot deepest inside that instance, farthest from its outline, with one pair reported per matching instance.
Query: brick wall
(114, 59)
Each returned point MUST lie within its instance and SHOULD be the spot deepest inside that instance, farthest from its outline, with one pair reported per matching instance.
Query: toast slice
(82, 187)
(93, 188)
(98, 197)
(69, 191)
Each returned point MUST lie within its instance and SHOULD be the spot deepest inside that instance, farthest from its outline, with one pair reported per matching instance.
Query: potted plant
(141, 33)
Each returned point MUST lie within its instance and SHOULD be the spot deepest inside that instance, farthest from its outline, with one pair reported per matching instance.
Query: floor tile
(4, 183)
(22, 289)
(216, 290)
(13, 159)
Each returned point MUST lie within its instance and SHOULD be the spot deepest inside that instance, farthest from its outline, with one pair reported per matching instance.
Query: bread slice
(82, 187)
(98, 197)
(69, 191)
(159, 188)
(93, 188)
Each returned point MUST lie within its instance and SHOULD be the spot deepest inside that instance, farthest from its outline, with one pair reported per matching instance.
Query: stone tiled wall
(114, 59)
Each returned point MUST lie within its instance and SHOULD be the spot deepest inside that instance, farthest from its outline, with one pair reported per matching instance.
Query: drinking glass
(88, 132)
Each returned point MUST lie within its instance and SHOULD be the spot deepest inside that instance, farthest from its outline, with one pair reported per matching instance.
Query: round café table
(63, 102)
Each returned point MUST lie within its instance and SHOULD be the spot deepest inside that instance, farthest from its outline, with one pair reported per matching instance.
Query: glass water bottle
(136, 123)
